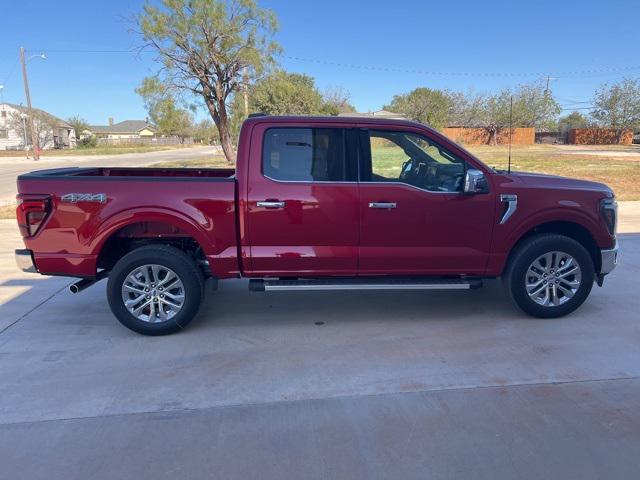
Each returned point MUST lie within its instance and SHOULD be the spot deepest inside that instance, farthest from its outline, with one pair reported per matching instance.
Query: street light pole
(34, 134)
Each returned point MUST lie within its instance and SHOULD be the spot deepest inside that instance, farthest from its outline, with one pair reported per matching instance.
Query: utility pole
(245, 89)
(23, 116)
(34, 134)
(549, 78)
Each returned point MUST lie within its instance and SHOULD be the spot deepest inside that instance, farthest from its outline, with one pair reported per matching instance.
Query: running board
(262, 285)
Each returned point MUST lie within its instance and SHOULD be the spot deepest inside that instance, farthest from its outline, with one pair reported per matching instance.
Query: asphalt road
(11, 167)
(392, 385)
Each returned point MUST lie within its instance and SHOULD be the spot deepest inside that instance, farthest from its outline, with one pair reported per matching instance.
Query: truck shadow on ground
(234, 305)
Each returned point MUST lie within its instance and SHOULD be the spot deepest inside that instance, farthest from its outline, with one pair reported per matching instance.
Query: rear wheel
(155, 290)
(549, 275)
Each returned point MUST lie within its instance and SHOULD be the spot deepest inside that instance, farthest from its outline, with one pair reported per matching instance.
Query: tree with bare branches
(43, 122)
(533, 106)
(208, 49)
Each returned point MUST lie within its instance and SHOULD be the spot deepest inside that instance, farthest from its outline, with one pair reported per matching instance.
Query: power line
(578, 108)
(577, 105)
(585, 73)
(47, 50)
(11, 72)
(571, 102)
(565, 73)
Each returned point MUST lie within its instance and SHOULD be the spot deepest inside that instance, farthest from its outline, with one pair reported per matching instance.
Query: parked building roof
(376, 114)
(126, 126)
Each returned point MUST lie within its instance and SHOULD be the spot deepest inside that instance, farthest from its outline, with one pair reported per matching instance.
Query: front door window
(410, 158)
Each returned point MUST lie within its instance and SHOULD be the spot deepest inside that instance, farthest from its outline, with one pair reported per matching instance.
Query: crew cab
(318, 203)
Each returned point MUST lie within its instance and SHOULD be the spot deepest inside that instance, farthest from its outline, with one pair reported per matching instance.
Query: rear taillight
(31, 212)
(609, 213)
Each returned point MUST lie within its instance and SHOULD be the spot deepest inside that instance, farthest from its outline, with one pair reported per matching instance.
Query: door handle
(383, 205)
(271, 204)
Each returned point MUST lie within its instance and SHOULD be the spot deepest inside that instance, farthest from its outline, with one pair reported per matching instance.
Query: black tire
(526, 253)
(166, 256)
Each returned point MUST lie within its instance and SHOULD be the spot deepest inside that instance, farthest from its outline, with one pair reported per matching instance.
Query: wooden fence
(145, 141)
(480, 136)
(598, 136)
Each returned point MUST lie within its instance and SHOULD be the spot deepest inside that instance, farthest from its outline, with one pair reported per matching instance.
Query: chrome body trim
(383, 205)
(273, 204)
(512, 204)
(24, 261)
(380, 286)
(609, 258)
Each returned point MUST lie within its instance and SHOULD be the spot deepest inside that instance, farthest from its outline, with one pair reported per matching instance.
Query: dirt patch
(601, 153)
(8, 211)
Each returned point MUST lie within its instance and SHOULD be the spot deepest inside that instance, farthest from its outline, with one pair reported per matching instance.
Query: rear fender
(160, 215)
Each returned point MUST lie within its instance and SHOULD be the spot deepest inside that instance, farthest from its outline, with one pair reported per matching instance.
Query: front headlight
(609, 212)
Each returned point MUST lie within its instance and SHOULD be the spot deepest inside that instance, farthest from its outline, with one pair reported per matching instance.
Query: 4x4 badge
(84, 197)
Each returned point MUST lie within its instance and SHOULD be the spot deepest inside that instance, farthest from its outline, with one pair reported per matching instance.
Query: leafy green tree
(573, 120)
(283, 93)
(207, 47)
(163, 111)
(79, 124)
(618, 106)
(205, 132)
(425, 105)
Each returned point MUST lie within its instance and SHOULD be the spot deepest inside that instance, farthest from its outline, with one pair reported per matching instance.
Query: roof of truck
(257, 118)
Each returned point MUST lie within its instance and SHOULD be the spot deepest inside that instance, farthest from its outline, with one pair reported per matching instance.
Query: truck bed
(89, 206)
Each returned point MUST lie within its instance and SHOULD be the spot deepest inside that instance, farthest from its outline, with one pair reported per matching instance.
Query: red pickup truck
(318, 204)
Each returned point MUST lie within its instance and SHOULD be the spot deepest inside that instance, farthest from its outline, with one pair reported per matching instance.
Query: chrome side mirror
(475, 182)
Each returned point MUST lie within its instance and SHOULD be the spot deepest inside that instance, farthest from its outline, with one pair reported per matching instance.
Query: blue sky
(468, 45)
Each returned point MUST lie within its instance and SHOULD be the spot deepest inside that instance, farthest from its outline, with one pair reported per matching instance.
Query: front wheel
(155, 290)
(549, 275)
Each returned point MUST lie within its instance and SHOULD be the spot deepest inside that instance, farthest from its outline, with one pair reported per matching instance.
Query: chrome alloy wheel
(153, 293)
(553, 279)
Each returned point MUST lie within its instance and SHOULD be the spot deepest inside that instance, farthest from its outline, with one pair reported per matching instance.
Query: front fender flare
(566, 215)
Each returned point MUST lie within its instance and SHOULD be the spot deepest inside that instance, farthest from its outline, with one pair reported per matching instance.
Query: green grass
(209, 161)
(106, 150)
(622, 174)
(388, 161)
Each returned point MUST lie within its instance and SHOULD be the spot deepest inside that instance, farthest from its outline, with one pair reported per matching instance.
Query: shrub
(88, 142)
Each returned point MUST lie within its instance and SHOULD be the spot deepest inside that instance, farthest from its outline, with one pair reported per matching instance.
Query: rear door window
(305, 154)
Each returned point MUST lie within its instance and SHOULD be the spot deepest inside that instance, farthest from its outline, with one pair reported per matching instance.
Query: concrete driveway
(321, 385)
(11, 167)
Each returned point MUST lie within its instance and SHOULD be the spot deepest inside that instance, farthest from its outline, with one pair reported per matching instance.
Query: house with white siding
(53, 132)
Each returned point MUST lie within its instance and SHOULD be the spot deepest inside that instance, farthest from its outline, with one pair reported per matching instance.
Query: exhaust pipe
(87, 282)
